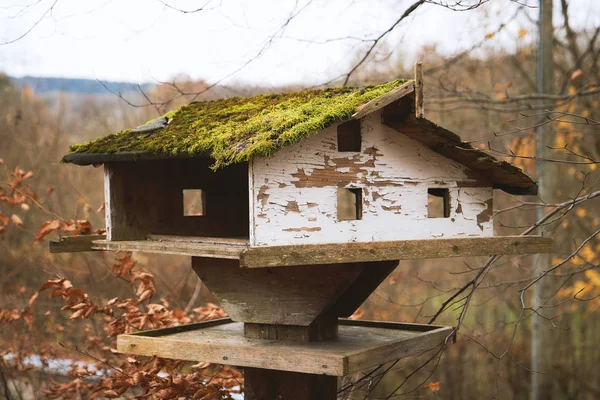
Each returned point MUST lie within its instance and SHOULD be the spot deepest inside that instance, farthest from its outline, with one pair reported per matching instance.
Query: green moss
(236, 129)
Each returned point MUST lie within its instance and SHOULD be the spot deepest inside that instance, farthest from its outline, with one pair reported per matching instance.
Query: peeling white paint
(394, 173)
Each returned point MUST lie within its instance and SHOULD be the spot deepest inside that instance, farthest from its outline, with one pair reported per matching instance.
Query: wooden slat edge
(74, 244)
(181, 328)
(241, 356)
(227, 251)
(405, 326)
(419, 343)
(333, 253)
(419, 109)
(198, 239)
(383, 100)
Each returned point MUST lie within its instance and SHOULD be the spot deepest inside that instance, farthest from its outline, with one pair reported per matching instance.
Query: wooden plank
(225, 344)
(198, 239)
(183, 328)
(357, 347)
(415, 345)
(274, 256)
(383, 100)
(404, 326)
(227, 251)
(336, 253)
(74, 244)
(419, 109)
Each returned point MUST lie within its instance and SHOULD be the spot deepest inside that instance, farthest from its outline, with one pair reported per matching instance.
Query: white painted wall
(294, 193)
(108, 206)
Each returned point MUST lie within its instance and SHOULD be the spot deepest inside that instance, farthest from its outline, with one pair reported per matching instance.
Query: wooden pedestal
(264, 384)
(285, 329)
(310, 296)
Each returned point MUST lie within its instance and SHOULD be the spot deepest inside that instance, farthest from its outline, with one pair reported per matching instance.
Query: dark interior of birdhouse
(182, 197)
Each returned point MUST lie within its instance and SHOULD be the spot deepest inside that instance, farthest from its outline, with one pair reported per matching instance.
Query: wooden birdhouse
(294, 207)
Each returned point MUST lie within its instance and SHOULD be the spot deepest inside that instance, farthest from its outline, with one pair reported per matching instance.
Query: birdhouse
(294, 207)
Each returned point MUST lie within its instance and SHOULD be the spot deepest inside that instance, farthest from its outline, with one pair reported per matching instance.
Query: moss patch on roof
(236, 129)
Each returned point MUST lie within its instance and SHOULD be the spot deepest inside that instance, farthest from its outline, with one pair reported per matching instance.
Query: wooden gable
(295, 194)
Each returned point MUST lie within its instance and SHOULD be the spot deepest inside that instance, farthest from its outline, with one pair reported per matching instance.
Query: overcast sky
(146, 40)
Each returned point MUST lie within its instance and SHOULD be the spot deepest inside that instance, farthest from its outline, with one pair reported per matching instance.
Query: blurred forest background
(57, 344)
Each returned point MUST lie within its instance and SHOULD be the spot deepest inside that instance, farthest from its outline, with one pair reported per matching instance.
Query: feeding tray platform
(360, 345)
(310, 254)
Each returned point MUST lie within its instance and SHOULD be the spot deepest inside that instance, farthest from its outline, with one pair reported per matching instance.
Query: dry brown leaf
(16, 220)
(576, 74)
(77, 314)
(111, 394)
(46, 228)
(434, 386)
(33, 299)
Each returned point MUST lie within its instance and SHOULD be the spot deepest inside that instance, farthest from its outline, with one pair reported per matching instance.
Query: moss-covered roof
(235, 129)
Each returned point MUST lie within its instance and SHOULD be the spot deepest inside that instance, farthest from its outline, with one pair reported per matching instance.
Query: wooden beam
(319, 330)
(215, 250)
(260, 384)
(335, 253)
(198, 239)
(74, 244)
(330, 253)
(419, 109)
(358, 347)
(384, 100)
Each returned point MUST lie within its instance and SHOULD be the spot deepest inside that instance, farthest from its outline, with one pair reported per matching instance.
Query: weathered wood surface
(321, 329)
(146, 197)
(74, 244)
(370, 278)
(199, 249)
(277, 296)
(357, 347)
(334, 253)
(261, 384)
(198, 239)
(384, 100)
(272, 256)
(294, 195)
(419, 108)
(504, 175)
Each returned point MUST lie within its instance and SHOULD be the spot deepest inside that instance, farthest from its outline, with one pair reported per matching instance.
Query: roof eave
(519, 190)
(102, 158)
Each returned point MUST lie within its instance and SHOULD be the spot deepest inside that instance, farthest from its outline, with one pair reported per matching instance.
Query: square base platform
(360, 345)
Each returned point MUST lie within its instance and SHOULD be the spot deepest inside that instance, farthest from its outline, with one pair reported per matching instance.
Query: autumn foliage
(97, 371)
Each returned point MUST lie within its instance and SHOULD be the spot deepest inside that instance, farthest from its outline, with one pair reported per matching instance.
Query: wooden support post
(321, 329)
(264, 384)
(419, 109)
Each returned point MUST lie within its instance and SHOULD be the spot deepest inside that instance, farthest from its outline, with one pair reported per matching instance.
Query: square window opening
(348, 136)
(438, 203)
(194, 203)
(349, 204)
